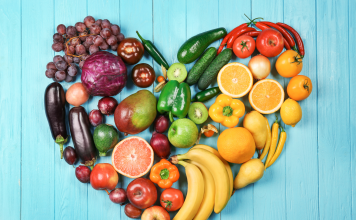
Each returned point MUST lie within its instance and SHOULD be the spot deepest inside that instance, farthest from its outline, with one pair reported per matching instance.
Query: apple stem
(107, 191)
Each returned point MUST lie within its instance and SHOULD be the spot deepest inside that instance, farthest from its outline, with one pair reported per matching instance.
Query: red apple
(104, 176)
(142, 193)
(155, 213)
(270, 42)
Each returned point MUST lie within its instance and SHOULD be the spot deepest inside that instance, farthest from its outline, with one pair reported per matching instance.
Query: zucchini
(196, 45)
(213, 69)
(201, 65)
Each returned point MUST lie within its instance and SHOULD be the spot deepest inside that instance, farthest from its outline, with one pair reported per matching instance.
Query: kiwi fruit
(198, 113)
(177, 72)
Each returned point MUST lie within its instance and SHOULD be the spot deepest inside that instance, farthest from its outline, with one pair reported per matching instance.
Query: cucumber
(201, 65)
(196, 45)
(213, 69)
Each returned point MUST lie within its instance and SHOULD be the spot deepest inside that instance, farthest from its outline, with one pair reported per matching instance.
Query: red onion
(107, 105)
(160, 144)
(118, 196)
(161, 124)
(95, 117)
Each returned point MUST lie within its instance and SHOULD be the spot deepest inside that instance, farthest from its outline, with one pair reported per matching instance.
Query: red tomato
(243, 46)
(270, 42)
(104, 177)
(171, 199)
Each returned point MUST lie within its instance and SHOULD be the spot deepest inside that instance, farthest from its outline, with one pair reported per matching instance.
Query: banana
(207, 205)
(227, 165)
(195, 192)
(218, 171)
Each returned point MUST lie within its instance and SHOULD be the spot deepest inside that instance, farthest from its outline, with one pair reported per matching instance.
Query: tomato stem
(243, 44)
(306, 85)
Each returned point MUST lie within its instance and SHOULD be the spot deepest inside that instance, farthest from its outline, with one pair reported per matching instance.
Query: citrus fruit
(236, 145)
(132, 157)
(266, 96)
(235, 80)
(289, 64)
(291, 112)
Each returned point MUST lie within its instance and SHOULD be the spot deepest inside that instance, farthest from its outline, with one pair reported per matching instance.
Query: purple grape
(86, 45)
(58, 38)
(76, 59)
(72, 70)
(98, 22)
(57, 58)
(95, 117)
(50, 73)
(105, 33)
(51, 65)
(93, 48)
(69, 78)
(71, 31)
(105, 24)
(114, 47)
(98, 40)
(120, 37)
(85, 56)
(95, 29)
(61, 65)
(54, 79)
(68, 59)
(80, 26)
(61, 28)
(81, 63)
(88, 21)
(83, 174)
(115, 29)
(70, 50)
(80, 49)
(60, 75)
(89, 39)
(75, 41)
(112, 40)
(83, 38)
(58, 46)
(104, 46)
(70, 155)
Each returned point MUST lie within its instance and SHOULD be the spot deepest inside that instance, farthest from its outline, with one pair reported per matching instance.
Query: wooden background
(312, 179)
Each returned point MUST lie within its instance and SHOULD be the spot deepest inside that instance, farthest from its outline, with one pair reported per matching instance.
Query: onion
(77, 94)
(107, 105)
(260, 67)
(160, 144)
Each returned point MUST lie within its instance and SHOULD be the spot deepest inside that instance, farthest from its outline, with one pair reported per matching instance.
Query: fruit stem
(171, 117)
(107, 191)
(174, 159)
(164, 174)
(102, 154)
(60, 140)
(253, 20)
(227, 111)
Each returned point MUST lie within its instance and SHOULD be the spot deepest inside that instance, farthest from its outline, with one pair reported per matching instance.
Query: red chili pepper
(227, 37)
(286, 44)
(285, 33)
(252, 33)
(262, 26)
(238, 33)
(297, 38)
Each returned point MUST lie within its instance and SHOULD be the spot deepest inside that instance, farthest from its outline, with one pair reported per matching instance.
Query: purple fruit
(132, 212)
(70, 155)
(118, 196)
(161, 124)
(107, 105)
(95, 117)
(160, 145)
(83, 174)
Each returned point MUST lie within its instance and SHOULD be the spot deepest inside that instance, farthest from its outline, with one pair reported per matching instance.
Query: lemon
(291, 112)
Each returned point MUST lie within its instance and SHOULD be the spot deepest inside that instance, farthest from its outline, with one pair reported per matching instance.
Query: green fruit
(213, 69)
(136, 113)
(177, 72)
(183, 133)
(105, 138)
(196, 45)
(201, 65)
(198, 113)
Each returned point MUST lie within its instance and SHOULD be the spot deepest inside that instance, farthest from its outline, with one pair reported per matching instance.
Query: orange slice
(235, 80)
(132, 157)
(266, 96)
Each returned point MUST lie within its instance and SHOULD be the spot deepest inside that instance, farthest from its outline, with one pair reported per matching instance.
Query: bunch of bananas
(210, 182)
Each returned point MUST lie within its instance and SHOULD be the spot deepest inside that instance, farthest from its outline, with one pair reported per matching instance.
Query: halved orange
(266, 96)
(235, 80)
(132, 157)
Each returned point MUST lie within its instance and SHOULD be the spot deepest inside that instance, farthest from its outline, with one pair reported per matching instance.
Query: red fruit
(70, 155)
(104, 177)
(107, 105)
(161, 124)
(142, 193)
(160, 145)
(155, 212)
(83, 174)
(132, 212)
(95, 117)
(171, 199)
(118, 196)
(270, 42)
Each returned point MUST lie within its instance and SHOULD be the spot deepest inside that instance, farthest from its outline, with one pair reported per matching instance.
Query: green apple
(183, 133)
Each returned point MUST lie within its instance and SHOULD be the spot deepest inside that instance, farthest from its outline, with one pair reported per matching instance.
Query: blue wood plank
(38, 149)
(333, 89)
(301, 145)
(10, 111)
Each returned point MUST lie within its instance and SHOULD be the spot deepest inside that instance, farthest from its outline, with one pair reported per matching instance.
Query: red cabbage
(104, 74)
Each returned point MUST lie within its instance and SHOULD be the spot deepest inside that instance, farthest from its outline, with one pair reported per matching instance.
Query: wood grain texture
(10, 111)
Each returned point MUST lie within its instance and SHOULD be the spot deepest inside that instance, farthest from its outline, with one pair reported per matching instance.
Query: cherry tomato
(171, 199)
(160, 79)
(299, 88)
(289, 64)
(243, 46)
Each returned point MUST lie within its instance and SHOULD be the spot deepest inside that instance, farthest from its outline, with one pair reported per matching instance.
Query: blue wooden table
(312, 179)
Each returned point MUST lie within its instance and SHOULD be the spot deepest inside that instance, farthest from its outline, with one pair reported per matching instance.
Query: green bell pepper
(174, 99)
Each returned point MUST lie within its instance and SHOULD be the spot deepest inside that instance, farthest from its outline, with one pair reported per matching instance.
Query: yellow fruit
(266, 96)
(249, 172)
(236, 145)
(291, 112)
(235, 80)
(255, 123)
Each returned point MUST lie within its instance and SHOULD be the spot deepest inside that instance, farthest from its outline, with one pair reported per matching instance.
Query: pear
(255, 123)
(249, 172)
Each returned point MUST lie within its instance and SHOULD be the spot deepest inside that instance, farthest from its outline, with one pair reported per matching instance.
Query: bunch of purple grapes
(62, 68)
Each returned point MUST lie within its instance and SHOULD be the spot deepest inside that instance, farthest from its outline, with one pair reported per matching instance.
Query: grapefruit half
(132, 157)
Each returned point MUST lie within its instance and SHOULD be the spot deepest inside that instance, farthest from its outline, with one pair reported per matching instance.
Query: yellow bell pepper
(227, 110)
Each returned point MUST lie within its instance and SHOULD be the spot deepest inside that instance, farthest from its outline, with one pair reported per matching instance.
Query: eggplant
(82, 138)
(54, 100)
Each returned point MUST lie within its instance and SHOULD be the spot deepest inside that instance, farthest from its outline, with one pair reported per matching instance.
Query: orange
(299, 87)
(266, 96)
(132, 157)
(236, 145)
(235, 80)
